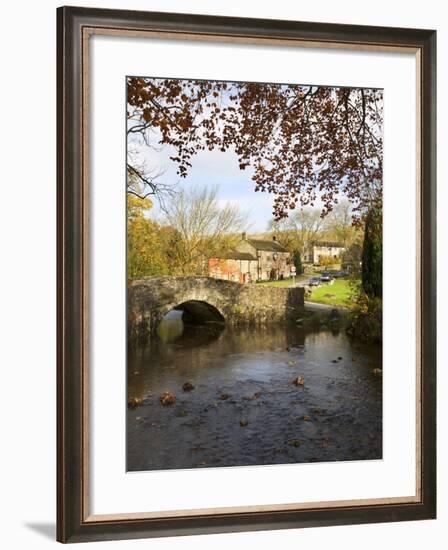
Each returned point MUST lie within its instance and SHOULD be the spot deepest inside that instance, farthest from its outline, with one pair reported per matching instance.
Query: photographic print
(254, 266)
(227, 190)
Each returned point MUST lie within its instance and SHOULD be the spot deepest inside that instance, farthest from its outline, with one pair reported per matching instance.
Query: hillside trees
(145, 245)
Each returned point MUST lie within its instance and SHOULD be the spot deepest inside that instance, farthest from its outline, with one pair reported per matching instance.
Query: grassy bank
(340, 293)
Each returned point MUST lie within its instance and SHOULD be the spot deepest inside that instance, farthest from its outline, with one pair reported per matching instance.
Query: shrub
(366, 319)
(297, 261)
(329, 261)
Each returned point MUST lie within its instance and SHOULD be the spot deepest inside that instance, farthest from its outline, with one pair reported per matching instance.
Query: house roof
(267, 245)
(233, 255)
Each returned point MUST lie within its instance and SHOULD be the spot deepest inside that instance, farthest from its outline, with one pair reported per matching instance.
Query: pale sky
(215, 168)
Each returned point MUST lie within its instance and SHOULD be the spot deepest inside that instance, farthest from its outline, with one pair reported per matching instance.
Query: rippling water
(244, 408)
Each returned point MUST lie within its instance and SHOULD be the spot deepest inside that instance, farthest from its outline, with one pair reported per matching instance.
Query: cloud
(213, 168)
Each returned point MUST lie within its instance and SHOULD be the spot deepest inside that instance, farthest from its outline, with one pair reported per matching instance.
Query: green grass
(340, 291)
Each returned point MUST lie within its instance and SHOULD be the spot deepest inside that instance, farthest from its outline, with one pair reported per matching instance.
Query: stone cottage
(252, 260)
(318, 250)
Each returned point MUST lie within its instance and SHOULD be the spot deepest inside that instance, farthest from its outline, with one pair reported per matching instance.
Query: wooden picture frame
(75, 25)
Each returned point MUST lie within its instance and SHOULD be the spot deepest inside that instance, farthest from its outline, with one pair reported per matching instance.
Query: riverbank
(338, 293)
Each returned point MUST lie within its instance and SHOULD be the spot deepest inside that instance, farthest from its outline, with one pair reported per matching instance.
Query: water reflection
(171, 327)
(173, 331)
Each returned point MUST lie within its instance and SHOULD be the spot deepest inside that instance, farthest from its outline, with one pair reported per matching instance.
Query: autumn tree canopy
(302, 142)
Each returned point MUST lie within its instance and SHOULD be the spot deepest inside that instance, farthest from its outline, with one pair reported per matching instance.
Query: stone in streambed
(167, 398)
(224, 396)
(256, 395)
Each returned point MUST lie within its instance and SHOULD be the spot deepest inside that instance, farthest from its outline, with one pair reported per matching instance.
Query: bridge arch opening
(197, 312)
(193, 322)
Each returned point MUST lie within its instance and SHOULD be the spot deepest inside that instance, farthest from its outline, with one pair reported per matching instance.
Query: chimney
(243, 235)
(274, 238)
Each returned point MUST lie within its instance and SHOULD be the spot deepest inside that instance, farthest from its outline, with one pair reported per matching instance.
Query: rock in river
(134, 402)
(224, 396)
(167, 398)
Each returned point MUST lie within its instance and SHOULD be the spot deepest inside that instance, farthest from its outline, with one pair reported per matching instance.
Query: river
(244, 408)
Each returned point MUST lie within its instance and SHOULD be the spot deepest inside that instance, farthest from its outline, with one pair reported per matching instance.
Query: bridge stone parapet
(150, 298)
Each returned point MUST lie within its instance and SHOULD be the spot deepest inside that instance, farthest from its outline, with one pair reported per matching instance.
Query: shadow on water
(174, 327)
(244, 408)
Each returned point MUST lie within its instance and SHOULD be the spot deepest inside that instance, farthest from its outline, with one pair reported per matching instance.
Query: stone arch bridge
(204, 299)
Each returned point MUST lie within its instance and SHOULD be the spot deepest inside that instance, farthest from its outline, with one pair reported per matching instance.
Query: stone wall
(149, 299)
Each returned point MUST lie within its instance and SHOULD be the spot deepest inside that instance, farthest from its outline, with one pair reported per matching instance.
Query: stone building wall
(314, 251)
(327, 251)
(230, 269)
(281, 264)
